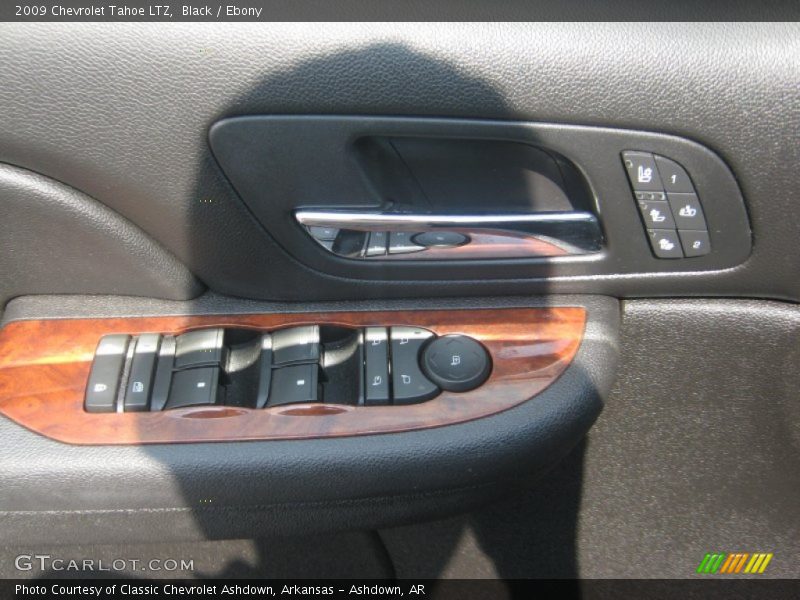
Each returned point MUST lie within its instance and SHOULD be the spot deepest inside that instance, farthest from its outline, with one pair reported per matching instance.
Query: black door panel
(236, 173)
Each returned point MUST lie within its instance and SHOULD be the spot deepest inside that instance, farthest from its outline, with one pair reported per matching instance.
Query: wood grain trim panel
(44, 368)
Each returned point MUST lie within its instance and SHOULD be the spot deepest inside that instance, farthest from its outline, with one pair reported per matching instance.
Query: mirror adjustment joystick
(456, 363)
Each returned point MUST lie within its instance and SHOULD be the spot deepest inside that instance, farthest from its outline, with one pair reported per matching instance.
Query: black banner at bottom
(448, 589)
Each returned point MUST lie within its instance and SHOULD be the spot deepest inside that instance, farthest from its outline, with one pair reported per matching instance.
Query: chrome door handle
(406, 236)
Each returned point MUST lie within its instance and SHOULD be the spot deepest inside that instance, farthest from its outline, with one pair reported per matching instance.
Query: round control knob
(456, 363)
(440, 239)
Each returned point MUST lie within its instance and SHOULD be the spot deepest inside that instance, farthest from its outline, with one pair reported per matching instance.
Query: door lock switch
(409, 384)
(163, 378)
(104, 379)
(142, 373)
(376, 358)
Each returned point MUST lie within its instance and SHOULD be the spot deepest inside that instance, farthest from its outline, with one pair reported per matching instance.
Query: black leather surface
(58, 240)
(52, 492)
(697, 450)
(122, 113)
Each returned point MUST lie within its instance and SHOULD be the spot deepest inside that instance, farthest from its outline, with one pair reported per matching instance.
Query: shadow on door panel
(204, 221)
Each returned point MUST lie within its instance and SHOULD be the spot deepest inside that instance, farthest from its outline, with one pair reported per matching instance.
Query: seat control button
(291, 385)
(194, 387)
(456, 363)
(409, 384)
(202, 348)
(104, 379)
(657, 215)
(673, 176)
(440, 239)
(140, 380)
(376, 357)
(295, 345)
(687, 211)
(695, 243)
(665, 243)
(642, 172)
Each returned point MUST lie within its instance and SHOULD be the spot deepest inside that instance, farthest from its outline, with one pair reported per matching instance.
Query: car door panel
(155, 170)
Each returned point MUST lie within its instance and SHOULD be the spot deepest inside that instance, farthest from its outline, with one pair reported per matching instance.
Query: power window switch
(201, 348)
(140, 380)
(194, 387)
(665, 243)
(376, 355)
(104, 379)
(695, 243)
(295, 384)
(295, 345)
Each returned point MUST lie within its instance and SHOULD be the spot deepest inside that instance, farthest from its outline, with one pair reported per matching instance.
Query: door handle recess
(406, 236)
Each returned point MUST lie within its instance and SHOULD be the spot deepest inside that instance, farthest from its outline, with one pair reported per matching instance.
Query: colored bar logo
(718, 563)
